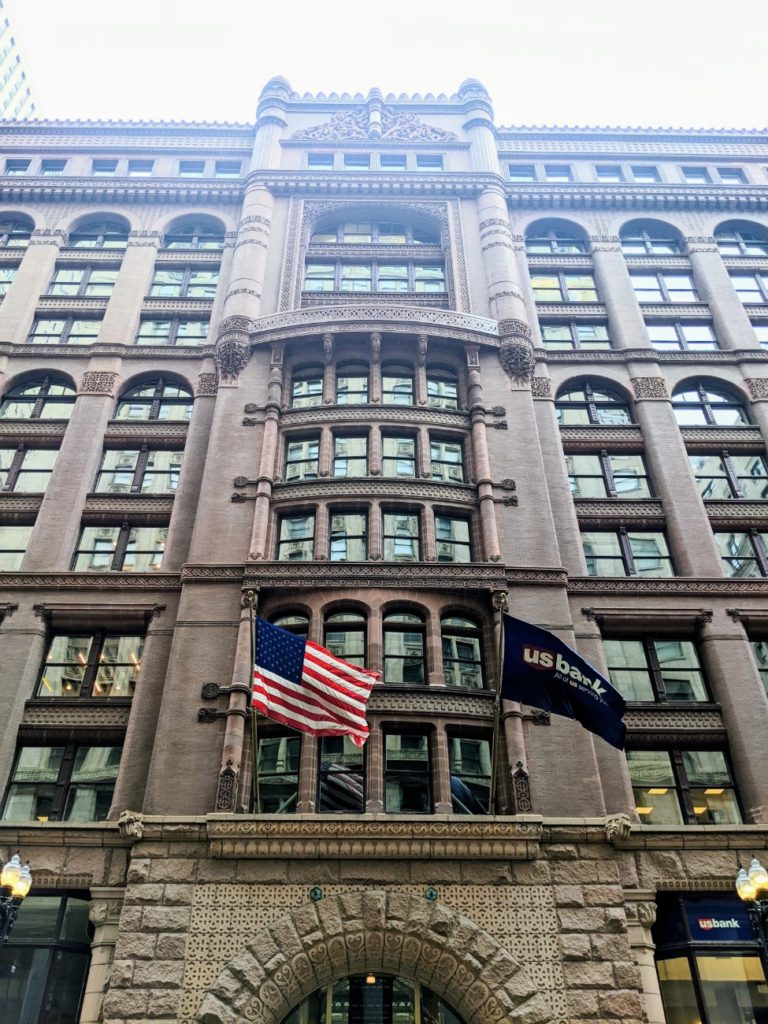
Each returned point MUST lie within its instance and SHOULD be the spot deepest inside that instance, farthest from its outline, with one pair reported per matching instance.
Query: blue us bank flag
(542, 671)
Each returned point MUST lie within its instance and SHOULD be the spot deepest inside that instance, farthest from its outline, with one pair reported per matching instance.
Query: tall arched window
(157, 399)
(554, 236)
(15, 231)
(307, 387)
(462, 651)
(195, 233)
(591, 402)
(649, 238)
(397, 384)
(294, 622)
(442, 388)
(352, 384)
(345, 636)
(373, 999)
(100, 233)
(740, 238)
(404, 648)
(699, 403)
(42, 398)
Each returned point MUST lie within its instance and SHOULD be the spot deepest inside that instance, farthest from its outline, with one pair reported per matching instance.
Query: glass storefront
(709, 965)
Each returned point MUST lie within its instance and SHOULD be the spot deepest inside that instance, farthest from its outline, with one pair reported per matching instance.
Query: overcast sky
(655, 62)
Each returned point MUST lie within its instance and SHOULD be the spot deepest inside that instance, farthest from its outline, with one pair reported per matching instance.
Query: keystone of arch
(386, 932)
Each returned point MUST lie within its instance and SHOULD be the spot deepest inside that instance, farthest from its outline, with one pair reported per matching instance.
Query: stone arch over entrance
(388, 932)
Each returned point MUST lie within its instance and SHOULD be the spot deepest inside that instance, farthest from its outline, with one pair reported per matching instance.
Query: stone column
(192, 469)
(267, 467)
(428, 535)
(106, 904)
(481, 459)
(736, 685)
(306, 802)
(142, 725)
(325, 453)
(563, 509)
(22, 641)
(375, 452)
(374, 380)
(441, 778)
(121, 319)
(421, 371)
(329, 374)
(756, 381)
(58, 522)
(228, 789)
(615, 291)
(375, 532)
(29, 283)
(641, 915)
(713, 283)
(374, 750)
(689, 534)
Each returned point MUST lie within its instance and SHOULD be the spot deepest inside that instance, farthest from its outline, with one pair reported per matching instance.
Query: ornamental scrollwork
(360, 124)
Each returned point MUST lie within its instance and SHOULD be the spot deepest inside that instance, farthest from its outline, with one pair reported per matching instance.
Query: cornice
(372, 414)
(127, 351)
(591, 437)
(349, 488)
(146, 432)
(146, 190)
(431, 300)
(354, 318)
(668, 585)
(616, 511)
(571, 310)
(404, 183)
(20, 504)
(739, 512)
(432, 701)
(128, 505)
(66, 304)
(649, 354)
(662, 718)
(32, 431)
(702, 439)
(371, 837)
(79, 581)
(583, 196)
(74, 714)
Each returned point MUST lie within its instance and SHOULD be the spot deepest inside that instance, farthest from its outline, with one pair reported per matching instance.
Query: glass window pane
(733, 987)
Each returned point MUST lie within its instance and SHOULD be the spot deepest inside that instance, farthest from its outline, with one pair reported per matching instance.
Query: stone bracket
(212, 691)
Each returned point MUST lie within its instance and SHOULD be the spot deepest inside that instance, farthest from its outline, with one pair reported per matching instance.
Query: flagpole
(251, 601)
(500, 604)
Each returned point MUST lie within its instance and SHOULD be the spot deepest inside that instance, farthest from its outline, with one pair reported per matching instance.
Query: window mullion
(605, 462)
(15, 468)
(657, 681)
(121, 546)
(92, 665)
(683, 787)
(626, 551)
(731, 475)
(760, 552)
(140, 470)
(62, 783)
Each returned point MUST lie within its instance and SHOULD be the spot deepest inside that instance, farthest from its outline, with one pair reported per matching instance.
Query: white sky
(652, 62)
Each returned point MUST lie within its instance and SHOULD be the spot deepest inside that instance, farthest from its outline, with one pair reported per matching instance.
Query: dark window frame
(142, 467)
(43, 396)
(626, 554)
(85, 281)
(593, 405)
(604, 344)
(17, 467)
(156, 401)
(729, 474)
(682, 784)
(562, 283)
(704, 404)
(655, 671)
(102, 231)
(99, 638)
(174, 339)
(390, 625)
(120, 551)
(607, 475)
(67, 330)
(186, 282)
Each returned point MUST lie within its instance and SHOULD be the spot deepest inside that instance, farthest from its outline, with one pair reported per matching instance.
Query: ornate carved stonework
(131, 824)
(207, 384)
(226, 791)
(232, 347)
(377, 122)
(97, 382)
(617, 826)
(517, 359)
(682, 585)
(521, 790)
(758, 388)
(541, 387)
(650, 387)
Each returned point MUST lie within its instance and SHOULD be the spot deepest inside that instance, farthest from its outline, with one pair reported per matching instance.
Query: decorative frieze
(207, 384)
(650, 388)
(379, 488)
(541, 387)
(374, 414)
(686, 585)
(758, 388)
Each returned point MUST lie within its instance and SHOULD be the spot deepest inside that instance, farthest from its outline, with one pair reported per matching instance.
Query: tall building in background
(16, 99)
(383, 368)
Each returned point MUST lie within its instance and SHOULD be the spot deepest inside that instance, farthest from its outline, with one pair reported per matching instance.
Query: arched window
(699, 403)
(43, 398)
(155, 400)
(649, 237)
(397, 384)
(591, 402)
(352, 384)
(100, 233)
(15, 231)
(462, 661)
(201, 233)
(345, 636)
(294, 622)
(404, 648)
(554, 236)
(442, 388)
(739, 238)
(372, 999)
(307, 387)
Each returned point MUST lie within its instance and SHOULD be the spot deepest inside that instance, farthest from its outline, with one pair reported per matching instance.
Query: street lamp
(752, 887)
(15, 883)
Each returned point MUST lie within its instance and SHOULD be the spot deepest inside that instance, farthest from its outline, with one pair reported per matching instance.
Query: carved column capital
(98, 382)
(233, 347)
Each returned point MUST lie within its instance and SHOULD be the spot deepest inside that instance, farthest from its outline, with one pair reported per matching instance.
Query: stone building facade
(382, 368)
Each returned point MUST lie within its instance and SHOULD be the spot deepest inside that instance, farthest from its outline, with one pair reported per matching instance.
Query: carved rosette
(541, 387)
(233, 347)
(758, 388)
(98, 382)
(650, 387)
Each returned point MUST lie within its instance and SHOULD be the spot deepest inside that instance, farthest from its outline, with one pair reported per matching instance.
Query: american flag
(302, 685)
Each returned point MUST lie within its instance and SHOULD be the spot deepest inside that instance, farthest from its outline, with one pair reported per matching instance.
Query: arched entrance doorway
(373, 999)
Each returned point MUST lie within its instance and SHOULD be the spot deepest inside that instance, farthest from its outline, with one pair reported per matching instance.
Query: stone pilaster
(23, 640)
(713, 283)
(30, 282)
(56, 529)
(267, 462)
(641, 915)
(121, 319)
(106, 903)
(689, 534)
(614, 288)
